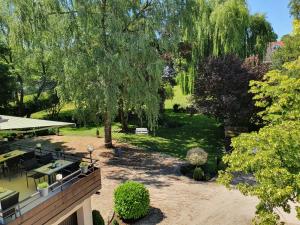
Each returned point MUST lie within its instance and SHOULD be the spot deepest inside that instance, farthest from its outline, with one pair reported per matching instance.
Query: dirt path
(175, 200)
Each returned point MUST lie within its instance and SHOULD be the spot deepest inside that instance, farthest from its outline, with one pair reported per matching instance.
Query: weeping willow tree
(115, 56)
(27, 31)
(229, 22)
(220, 27)
(196, 30)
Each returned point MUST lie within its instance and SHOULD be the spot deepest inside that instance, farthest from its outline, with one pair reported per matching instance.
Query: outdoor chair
(12, 167)
(70, 169)
(45, 159)
(28, 156)
(4, 148)
(29, 166)
(10, 206)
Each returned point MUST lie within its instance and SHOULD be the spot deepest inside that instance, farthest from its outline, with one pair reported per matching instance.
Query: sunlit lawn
(189, 132)
(175, 135)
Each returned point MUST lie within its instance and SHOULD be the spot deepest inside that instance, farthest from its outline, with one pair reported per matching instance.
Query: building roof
(277, 44)
(24, 125)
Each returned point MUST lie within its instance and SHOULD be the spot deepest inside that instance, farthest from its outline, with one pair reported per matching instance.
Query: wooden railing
(64, 201)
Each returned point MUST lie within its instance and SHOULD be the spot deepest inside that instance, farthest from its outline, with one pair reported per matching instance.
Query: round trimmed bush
(198, 174)
(97, 218)
(197, 156)
(132, 200)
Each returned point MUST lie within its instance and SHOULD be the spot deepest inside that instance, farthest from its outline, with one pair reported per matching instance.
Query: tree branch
(138, 16)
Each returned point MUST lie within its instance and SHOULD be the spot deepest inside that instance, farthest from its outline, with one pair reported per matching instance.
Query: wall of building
(84, 214)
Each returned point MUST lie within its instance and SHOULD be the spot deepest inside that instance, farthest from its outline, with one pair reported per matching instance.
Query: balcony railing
(70, 191)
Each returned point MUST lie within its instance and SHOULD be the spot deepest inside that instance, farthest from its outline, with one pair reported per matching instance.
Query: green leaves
(274, 164)
(279, 93)
(271, 155)
(132, 200)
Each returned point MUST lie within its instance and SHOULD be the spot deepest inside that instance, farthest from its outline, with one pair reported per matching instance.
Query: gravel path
(175, 200)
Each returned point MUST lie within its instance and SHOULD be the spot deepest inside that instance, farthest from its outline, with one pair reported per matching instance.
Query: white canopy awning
(25, 125)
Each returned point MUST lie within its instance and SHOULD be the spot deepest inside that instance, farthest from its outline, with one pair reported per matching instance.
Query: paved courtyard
(174, 199)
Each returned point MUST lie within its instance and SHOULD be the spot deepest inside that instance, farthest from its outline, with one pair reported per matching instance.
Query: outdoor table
(51, 168)
(10, 155)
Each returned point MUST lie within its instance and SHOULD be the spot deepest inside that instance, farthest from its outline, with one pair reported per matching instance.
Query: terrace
(23, 167)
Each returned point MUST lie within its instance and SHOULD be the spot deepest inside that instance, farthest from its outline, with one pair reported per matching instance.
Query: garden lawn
(177, 133)
(175, 137)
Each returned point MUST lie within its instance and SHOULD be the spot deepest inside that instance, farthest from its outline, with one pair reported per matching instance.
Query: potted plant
(84, 166)
(43, 188)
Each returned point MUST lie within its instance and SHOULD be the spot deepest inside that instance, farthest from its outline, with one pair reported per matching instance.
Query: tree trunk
(123, 116)
(20, 98)
(107, 131)
(162, 94)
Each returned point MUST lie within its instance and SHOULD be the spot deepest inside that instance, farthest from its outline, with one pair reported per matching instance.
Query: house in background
(272, 47)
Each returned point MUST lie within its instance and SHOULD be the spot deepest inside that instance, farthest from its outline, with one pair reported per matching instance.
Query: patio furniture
(29, 166)
(141, 130)
(9, 206)
(28, 155)
(70, 169)
(5, 193)
(45, 159)
(12, 166)
(12, 154)
(51, 168)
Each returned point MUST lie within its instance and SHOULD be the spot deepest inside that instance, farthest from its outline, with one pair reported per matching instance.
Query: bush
(207, 177)
(211, 167)
(173, 124)
(176, 108)
(198, 174)
(197, 156)
(115, 222)
(132, 200)
(222, 165)
(97, 218)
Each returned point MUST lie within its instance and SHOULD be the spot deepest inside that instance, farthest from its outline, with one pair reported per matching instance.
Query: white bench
(141, 131)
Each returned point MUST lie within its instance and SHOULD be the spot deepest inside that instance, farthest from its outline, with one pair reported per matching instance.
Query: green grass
(175, 137)
(189, 132)
(67, 109)
(179, 98)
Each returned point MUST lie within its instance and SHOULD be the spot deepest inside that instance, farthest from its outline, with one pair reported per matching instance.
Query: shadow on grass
(195, 131)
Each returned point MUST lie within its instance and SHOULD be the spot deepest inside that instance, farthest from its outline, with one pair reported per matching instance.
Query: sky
(277, 13)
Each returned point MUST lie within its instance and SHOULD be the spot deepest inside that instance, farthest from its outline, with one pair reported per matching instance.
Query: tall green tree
(290, 51)
(294, 6)
(260, 34)
(217, 28)
(271, 155)
(230, 21)
(116, 55)
(28, 31)
(6, 79)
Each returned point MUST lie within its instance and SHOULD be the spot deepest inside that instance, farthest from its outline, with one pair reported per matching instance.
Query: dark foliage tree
(7, 82)
(7, 85)
(222, 85)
